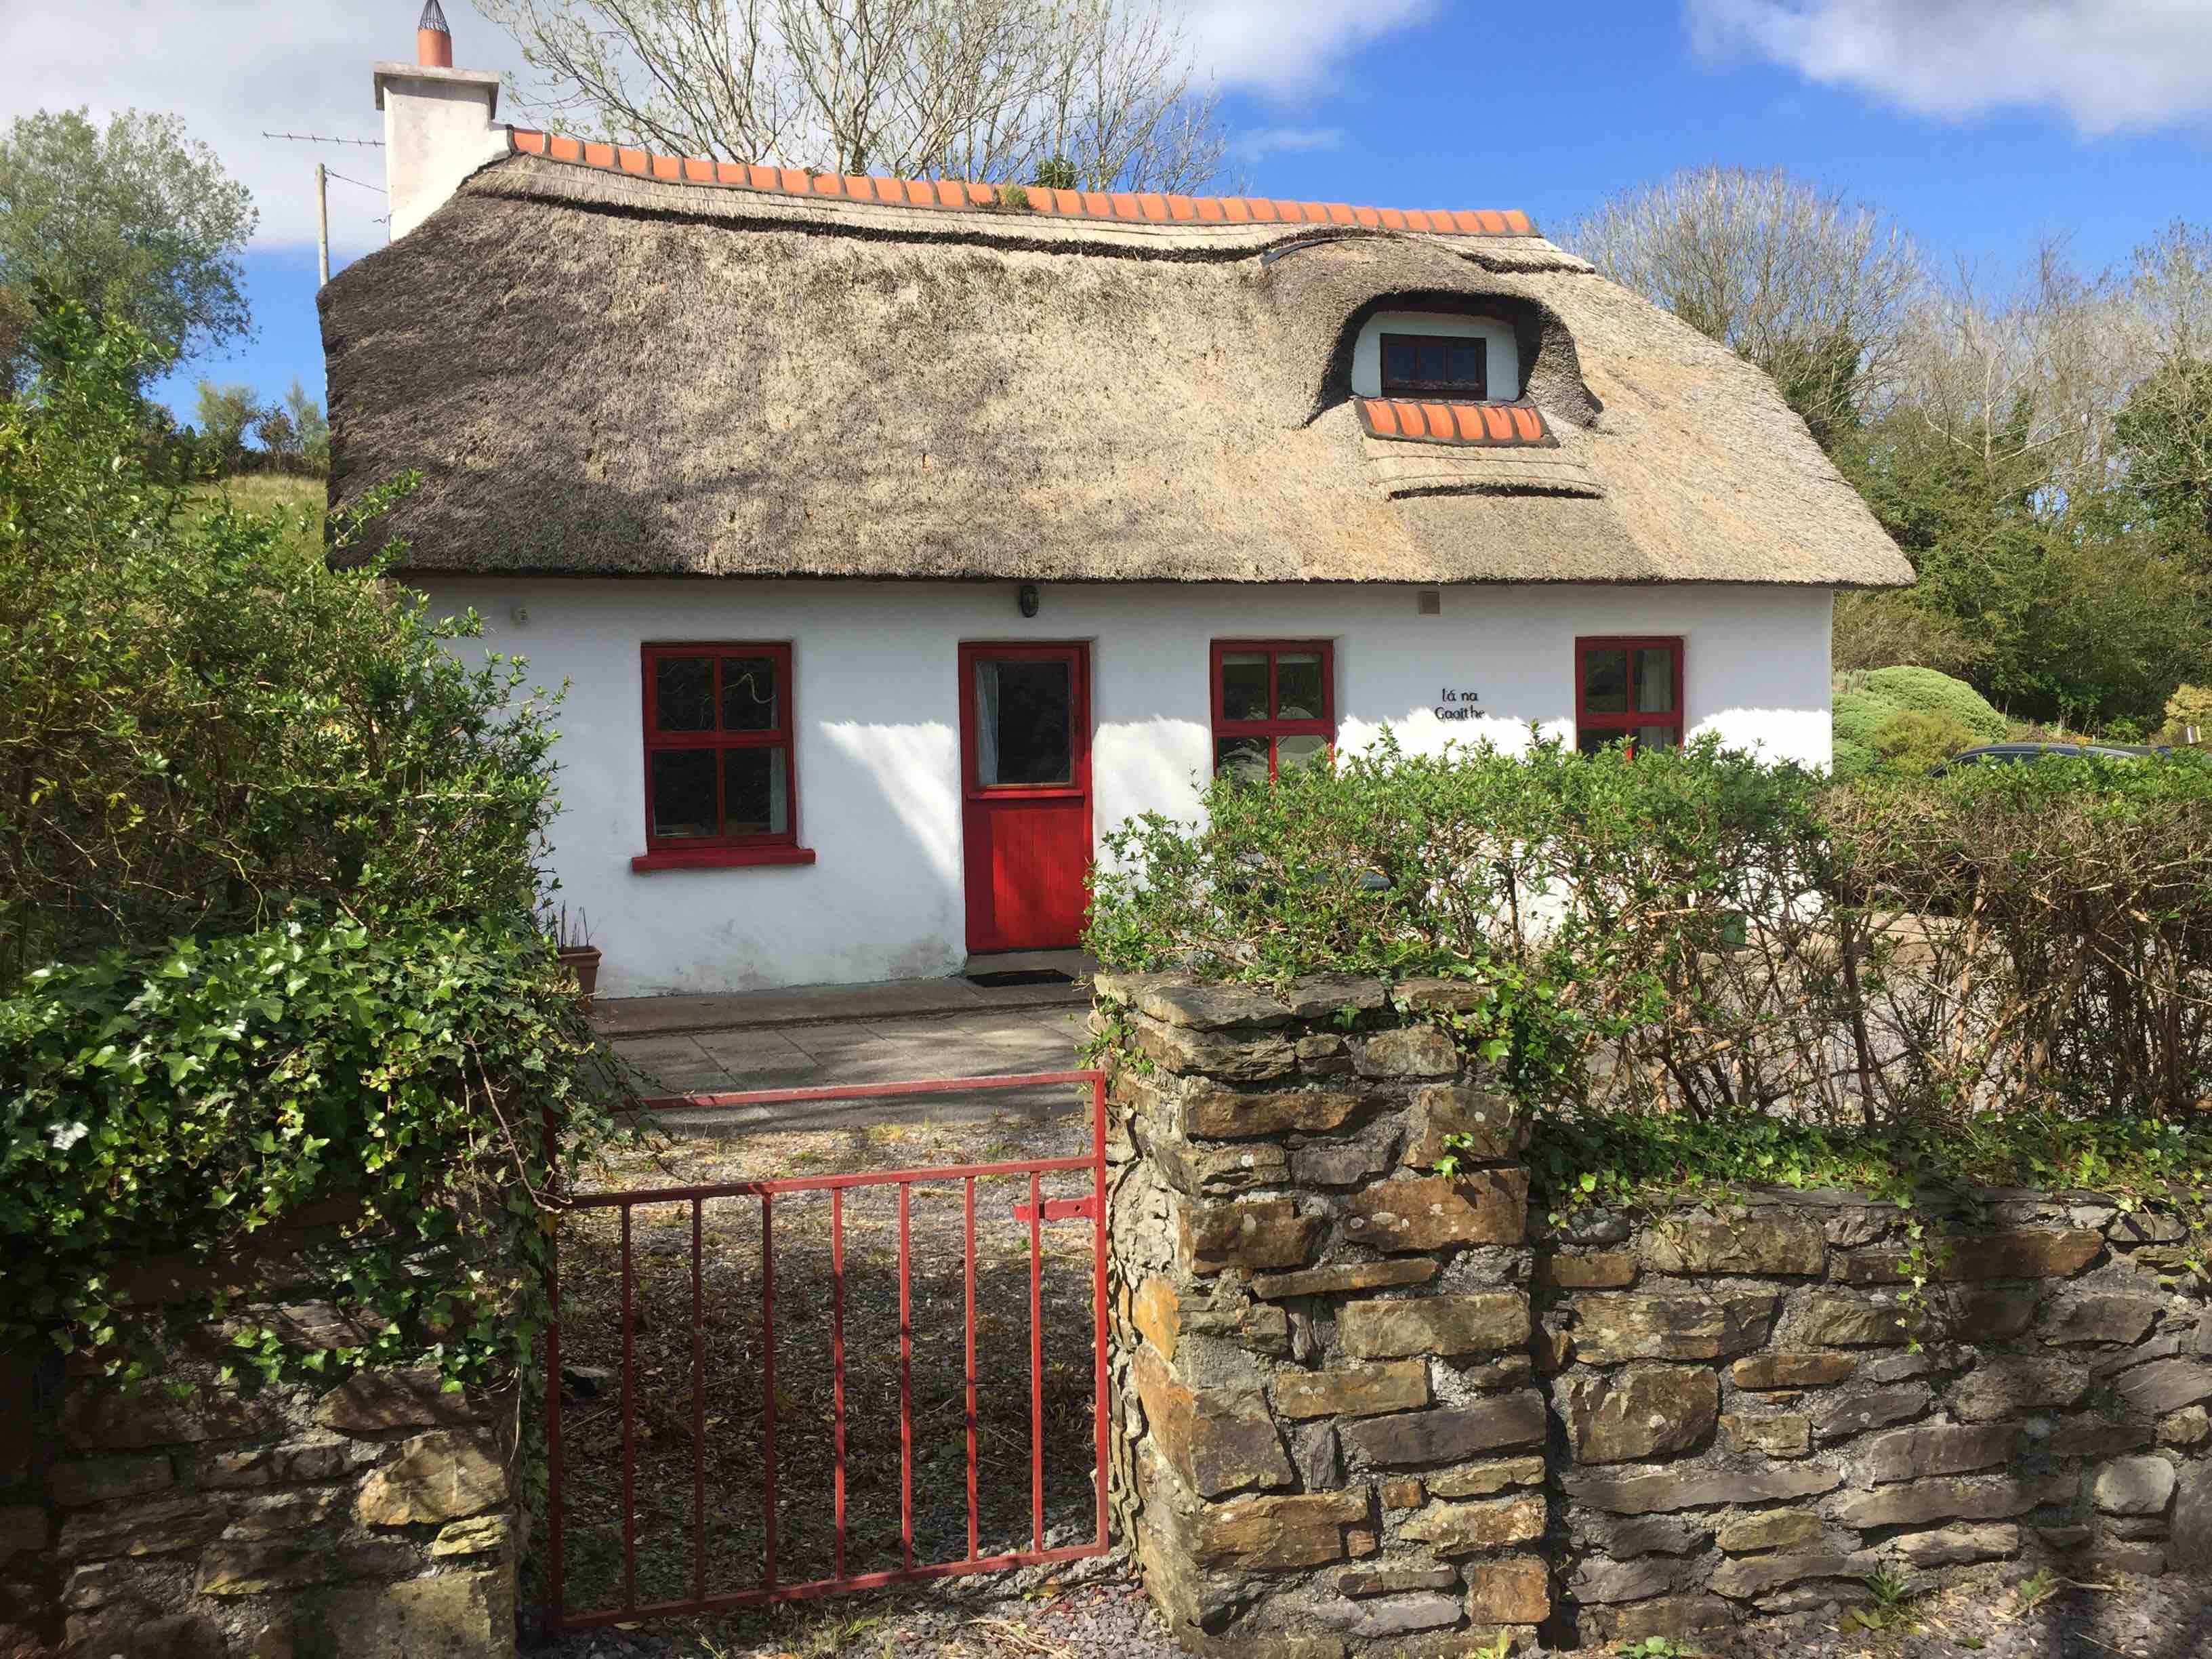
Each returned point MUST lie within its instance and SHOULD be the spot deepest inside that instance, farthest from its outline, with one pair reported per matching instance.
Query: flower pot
(583, 961)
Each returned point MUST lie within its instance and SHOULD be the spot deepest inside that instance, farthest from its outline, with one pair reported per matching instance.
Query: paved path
(977, 1043)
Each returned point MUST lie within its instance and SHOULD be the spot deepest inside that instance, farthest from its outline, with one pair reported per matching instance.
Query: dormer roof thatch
(605, 363)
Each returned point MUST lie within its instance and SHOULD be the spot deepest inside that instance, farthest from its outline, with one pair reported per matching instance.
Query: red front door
(1025, 790)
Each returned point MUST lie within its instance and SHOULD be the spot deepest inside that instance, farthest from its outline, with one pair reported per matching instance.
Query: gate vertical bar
(1037, 1361)
(837, 1357)
(628, 1425)
(767, 1388)
(906, 1389)
(1100, 1380)
(970, 1257)
(698, 1405)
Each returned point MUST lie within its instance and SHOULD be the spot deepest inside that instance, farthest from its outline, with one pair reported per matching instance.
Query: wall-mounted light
(1025, 596)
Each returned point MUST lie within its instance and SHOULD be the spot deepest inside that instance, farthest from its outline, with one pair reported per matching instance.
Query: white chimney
(437, 123)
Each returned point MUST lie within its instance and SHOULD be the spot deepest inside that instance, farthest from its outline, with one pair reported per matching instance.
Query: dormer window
(1439, 356)
(1435, 365)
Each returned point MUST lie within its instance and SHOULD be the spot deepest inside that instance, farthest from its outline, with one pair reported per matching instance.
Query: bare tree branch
(987, 90)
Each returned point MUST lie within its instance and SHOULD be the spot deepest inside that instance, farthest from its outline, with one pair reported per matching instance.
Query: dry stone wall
(370, 1517)
(1366, 1409)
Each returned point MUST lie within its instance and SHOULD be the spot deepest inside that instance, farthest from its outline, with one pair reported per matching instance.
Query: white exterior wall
(876, 701)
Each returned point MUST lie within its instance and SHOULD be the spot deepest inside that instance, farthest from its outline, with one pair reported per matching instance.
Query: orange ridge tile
(1141, 207)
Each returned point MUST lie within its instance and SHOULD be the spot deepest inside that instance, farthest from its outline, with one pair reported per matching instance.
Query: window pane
(1434, 365)
(1298, 690)
(1243, 685)
(1244, 759)
(684, 694)
(1658, 737)
(1592, 740)
(1398, 358)
(753, 792)
(1022, 712)
(749, 695)
(684, 792)
(1295, 751)
(1604, 682)
(1467, 364)
(1654, 679)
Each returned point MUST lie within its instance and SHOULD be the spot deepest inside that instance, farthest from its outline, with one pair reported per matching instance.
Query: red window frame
(1627, 723)
(1275, 727)
(712, 852)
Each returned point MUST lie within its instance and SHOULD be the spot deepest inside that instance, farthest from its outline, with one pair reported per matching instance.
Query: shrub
(183, 1098)
(1914, 740)
(2190, 705)
(1865, 703)
(1692, 930)
(201, 723)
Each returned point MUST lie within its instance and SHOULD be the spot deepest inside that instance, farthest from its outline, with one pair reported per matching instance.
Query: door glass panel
(754, 793)
(748, 693)
(1022, 719)
(684, 694)
(1604, 682)
(1654, 679)
(683, 791)
(1243, 685)
(1297, 685)
(1244, 759)
(1295, 751)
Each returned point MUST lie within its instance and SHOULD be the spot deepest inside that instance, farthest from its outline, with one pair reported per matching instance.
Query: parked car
(2009, 754)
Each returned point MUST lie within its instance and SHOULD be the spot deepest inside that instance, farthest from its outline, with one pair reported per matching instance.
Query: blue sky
(1983, 125)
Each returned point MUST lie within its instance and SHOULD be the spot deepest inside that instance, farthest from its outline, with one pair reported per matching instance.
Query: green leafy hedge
(1692, 930)
(184, 1099)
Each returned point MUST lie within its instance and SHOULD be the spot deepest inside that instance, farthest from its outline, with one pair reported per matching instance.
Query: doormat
(1021, 976)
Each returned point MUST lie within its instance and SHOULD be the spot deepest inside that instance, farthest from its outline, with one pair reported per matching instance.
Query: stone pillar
(1330, 1441)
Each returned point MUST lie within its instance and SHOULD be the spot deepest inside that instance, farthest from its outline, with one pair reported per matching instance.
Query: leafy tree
(224, 415)
(990, 90)
(203, 726)
(137, 220)
(312, 430)
(2164, 439)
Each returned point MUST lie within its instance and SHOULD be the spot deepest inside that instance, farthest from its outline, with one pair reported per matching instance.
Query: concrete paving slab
(972, 1044)
(622, 1017)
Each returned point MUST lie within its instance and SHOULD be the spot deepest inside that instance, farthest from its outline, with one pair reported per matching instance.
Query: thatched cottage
(895, 540)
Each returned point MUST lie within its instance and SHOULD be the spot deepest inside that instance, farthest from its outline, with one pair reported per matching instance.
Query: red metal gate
(1038, 1210)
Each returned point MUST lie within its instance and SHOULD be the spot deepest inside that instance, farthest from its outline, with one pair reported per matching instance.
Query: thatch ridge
(600, 373)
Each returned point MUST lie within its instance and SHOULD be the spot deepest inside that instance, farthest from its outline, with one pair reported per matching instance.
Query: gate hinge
(1063, 1209)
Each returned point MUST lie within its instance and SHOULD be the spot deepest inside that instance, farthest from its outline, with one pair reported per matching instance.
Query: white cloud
(1254, 142)
(2107, 64)
(1280, 49)
(234, 69)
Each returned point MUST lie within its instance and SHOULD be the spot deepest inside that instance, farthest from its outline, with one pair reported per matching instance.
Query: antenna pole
(322, 226)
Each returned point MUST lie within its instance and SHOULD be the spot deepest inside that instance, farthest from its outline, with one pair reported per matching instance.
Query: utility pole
(322, 226)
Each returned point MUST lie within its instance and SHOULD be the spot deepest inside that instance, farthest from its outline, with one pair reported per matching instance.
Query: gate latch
(1063, 1209)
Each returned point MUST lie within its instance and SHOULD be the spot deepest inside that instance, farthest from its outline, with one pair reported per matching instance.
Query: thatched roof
(599, 372)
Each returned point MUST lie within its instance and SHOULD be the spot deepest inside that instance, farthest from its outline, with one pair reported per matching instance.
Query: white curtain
(986, 722)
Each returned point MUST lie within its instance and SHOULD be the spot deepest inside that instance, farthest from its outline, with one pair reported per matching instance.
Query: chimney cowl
(434, 40)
